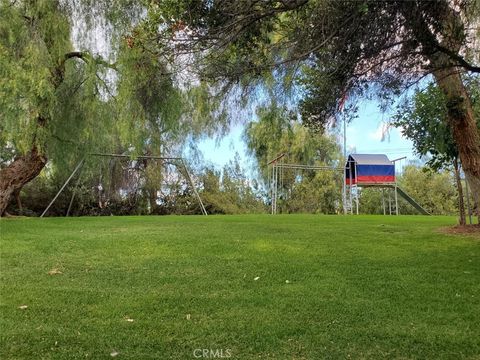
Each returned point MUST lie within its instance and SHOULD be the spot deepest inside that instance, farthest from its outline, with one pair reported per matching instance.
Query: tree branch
(459, 59)
(429, 40)
(87, 58)
(75, 54)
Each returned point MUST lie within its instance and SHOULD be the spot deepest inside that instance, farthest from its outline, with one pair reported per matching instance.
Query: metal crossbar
(308, 167)
(167, 158)
(138, 157)
(278, 167)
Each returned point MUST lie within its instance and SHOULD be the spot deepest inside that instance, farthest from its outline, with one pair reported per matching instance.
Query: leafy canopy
(65, 100)
(278, 131)
(324, 48)
(422, 119)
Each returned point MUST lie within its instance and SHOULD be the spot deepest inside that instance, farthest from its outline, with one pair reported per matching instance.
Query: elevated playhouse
(367, 170)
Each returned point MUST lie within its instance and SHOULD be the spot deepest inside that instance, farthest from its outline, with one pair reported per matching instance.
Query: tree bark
(22, 170)
(152, 199)
(464, 127)
(16, 195)
(461, 204)
(448, 76)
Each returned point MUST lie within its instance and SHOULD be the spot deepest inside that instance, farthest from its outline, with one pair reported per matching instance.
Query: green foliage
(32, 43)
(113, 186)
(229, 191)
(423, 119)
(69, 102)
(36, 195)
(278, 131)
(372, 201)
(318, 193)
(435, 191)
(148, 104)
(47, 101)
(324, 48)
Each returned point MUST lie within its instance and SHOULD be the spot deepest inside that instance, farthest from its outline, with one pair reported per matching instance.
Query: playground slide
(411, 201)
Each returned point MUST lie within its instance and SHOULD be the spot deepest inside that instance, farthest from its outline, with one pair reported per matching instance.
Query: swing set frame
(276, 175)
(179, 162)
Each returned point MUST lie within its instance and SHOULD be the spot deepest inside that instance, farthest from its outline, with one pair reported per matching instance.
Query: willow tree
(58, 102)
(279, 131)
(335, 47)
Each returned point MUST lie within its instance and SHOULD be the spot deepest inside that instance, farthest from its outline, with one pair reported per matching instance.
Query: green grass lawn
(337, 287)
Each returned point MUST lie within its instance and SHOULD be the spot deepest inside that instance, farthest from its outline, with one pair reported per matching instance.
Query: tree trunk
(464, 127)
(461, 204)
(16, 195)
(447, 74)
(152, 199)
(22, 170)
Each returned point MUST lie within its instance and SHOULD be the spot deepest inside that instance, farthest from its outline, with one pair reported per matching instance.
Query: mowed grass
(334, 287)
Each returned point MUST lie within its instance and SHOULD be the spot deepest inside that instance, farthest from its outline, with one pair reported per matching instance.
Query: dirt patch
(471, 230)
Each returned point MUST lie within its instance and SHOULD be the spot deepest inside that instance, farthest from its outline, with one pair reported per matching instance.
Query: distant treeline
(137, 190)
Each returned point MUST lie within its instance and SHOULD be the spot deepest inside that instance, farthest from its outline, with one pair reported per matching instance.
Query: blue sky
(364, 135)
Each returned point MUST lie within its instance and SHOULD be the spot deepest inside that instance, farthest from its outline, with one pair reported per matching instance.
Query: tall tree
(336, 46)
(279, 131)
(422, 119)
(58, 102)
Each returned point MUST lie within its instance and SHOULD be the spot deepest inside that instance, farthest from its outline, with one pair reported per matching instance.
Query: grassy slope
(365, 287)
